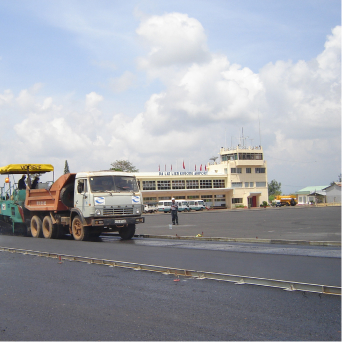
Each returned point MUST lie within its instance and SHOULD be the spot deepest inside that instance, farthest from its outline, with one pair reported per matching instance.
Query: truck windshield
(113, 184)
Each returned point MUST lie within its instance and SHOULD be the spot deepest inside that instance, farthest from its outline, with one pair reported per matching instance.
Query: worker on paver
(174, 211)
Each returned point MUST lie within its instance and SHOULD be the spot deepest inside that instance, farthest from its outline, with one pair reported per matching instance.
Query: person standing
(174, 211)
(21, 183)
(35, 183)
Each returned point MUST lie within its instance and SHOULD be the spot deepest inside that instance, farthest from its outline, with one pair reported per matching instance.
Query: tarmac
(300, 225)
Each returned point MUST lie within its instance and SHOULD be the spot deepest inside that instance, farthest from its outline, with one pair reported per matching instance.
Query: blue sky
(159, 82)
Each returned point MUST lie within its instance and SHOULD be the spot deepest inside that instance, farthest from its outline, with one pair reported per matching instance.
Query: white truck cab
(110, 199)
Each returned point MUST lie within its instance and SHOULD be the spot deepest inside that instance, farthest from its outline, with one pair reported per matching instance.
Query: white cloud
(330, 59)
(92, 100)
(6, 97)
(304, 98)
(122, 83)
(202, 93)
(173, 38)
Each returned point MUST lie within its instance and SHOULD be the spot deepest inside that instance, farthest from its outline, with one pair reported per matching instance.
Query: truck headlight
(97, 212)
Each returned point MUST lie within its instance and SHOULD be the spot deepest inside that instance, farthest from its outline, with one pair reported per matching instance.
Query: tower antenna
(259, 131)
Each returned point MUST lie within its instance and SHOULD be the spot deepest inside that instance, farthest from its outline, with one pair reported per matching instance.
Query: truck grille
(117, 211)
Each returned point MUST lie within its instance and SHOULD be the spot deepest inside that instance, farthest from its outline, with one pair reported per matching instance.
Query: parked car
(196, 205)
(150, 208)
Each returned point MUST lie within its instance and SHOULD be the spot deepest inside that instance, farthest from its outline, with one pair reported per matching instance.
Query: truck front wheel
(50, 230)
(128, 232)
(36, 226)
(79, 231)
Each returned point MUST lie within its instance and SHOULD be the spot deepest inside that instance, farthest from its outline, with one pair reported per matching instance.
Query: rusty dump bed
(49, 200)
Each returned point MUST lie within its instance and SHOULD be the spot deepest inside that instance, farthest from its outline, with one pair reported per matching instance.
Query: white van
(183, 205)
(196, 205)
(164, 206)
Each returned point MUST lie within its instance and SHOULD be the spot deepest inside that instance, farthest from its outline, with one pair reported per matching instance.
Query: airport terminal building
(238, 179)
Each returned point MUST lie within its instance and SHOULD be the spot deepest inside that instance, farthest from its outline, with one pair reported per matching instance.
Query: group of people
(22, 184)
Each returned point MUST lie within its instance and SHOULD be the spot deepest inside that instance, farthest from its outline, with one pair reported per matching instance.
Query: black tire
(36, 227)
(79, 231)
(67, 195)
(20, 229)
(95, 233)
(50, 230)
(128, 232)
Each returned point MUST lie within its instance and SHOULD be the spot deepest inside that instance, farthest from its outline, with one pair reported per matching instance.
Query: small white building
(333, 193)
(311, 194)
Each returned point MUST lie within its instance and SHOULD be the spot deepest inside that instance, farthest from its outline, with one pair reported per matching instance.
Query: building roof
(335, 183)
(311, 189)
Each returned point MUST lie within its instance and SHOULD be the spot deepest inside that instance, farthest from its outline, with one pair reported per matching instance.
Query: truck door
(82, 195)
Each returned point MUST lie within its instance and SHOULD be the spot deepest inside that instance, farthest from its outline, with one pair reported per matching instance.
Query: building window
(218, 183)
(236, 170)
(236, 200)
(179, 197)
(207, 198)
(164, 185)
(226, 157)
(246, 184)
(260, 170)
(192, 184)
(260, 184)
(178, 184)
(150, 199)
(164, 198)
(193, 197)
(149, 185)
(251, 184)
(236, 184)
(250, 156)
(248, 170)
(205, 184)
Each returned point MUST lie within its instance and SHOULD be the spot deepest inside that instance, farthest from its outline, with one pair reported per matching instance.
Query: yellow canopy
(23, 168)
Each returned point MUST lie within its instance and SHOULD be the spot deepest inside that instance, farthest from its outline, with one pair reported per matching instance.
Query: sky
(160, 82)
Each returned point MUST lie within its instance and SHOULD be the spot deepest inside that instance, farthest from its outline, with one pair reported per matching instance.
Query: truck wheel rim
(34, 228)
(77, 228)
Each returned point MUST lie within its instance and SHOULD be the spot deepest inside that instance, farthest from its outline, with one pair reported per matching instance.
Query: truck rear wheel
(128, 232)
(79, 231)
(36, 226)
(50, 230)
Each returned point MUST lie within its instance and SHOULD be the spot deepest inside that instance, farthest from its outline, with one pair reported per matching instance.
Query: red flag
(171, 167)
(183, 165)
(165, 167)
(205, 167)
(195, 167)
(201, 167)
(159, 167)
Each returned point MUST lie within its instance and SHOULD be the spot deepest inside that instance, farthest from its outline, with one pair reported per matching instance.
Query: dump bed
(49, 199)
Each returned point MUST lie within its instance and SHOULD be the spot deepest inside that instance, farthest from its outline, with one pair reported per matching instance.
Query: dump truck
(283, 200)
(82, 204)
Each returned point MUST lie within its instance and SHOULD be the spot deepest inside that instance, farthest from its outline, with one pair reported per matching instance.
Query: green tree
(124, 166)
(274, 188)
(66, 167)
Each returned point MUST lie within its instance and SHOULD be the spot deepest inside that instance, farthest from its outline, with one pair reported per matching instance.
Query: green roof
(311, 189)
